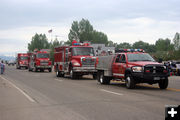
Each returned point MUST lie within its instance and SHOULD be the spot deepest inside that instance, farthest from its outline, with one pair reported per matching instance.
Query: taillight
(165, 71)
(148, 71)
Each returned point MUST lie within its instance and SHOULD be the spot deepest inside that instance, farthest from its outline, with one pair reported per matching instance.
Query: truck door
(31, 61)
(122, 63)
(119, 66)
(66, 59)
(116, 66)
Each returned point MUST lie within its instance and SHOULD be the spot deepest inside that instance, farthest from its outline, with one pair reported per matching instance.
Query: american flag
(50, 31)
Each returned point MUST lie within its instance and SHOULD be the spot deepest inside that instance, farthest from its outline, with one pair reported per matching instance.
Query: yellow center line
(143, 85)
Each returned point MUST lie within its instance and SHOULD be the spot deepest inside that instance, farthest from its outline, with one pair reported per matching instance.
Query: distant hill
(7, 57)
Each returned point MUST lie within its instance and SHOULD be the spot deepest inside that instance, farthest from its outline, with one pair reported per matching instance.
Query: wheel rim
(71, 73)
(101, 78)
(128, 81)
(57, 73)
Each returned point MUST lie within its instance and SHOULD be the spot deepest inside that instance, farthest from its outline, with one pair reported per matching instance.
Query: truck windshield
(23, 57)
(139, 57)
(42, 55)
(83, 51)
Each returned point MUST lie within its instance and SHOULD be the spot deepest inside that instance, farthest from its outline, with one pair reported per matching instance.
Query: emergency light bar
(129, 50)
(81, 44)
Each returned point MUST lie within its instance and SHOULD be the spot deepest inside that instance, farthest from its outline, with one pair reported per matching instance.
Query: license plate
(156, 78)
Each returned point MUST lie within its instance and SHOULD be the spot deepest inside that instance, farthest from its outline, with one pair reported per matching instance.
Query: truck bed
(105, 64)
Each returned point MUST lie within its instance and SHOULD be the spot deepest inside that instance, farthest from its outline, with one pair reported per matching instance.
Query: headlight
(76, 64)
(137, 69)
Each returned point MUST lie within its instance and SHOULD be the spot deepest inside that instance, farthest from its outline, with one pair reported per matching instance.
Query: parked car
(175, 67)
(11, 62)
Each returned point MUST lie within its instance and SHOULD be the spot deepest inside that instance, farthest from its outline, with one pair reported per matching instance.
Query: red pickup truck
(132, 66)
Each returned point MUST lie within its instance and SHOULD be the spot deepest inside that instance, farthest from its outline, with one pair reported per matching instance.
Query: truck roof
(131, 53)
(22, 54)
(62, 47)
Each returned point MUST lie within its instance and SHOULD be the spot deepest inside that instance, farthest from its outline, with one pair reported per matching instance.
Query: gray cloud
(27, 13)
(119, 19)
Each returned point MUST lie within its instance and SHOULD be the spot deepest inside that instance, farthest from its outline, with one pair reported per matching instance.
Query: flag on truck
(50, 31)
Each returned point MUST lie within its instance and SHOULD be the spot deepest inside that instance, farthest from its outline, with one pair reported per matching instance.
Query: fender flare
(127, 71)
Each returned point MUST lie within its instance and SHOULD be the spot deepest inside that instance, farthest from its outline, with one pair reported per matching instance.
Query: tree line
(83, 31)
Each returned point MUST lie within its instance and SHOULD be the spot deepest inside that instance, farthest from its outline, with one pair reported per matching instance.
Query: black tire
(59, 74)
(130, 82)
(35, 69)
(163, 84)
(102, 79)
(29, 70)
(50, 69)
(72, 74)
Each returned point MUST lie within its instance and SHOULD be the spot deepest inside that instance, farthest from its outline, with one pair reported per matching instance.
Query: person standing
(2, 67)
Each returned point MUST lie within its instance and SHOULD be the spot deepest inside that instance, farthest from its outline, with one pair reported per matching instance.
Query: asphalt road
(28, 95)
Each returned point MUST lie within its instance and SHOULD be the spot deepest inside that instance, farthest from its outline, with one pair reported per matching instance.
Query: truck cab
(133, 66)
(76, 60)
(22, 61)
(39, 61)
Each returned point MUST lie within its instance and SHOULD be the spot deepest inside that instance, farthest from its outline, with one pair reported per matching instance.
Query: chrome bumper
(84, 69)
(44, 67)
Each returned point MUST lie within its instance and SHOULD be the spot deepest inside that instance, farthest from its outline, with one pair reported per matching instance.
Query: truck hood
(142, 63)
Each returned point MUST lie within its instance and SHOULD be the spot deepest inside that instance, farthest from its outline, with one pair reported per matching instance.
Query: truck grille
(44, 62)
(88, 61)
(154, 69)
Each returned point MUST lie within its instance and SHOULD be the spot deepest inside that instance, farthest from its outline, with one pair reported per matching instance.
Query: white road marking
(111, 92)
(58, 80)
(25, 94)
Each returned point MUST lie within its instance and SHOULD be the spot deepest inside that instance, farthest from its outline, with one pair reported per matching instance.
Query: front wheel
(35, 69)
(50, 70)
(59, 74)
(72, 74)
(163, 84)
(29, 69)
(130, 83)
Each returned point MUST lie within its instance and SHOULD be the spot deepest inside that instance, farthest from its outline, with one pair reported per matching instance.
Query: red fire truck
(132, 66)
(39, 60)
(75, 60)
(21, 61)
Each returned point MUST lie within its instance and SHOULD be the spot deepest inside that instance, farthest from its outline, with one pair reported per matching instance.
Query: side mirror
(69, 54)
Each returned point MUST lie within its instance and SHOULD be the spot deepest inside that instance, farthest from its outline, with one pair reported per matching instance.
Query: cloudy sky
(122, 20)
